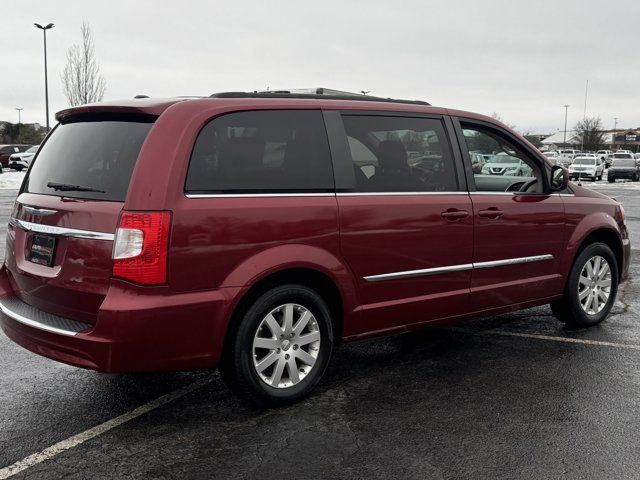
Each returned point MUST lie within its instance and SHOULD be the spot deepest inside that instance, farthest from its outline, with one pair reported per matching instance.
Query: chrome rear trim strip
(23, 313)
(61, 231)
(419, 273)
(456, 268)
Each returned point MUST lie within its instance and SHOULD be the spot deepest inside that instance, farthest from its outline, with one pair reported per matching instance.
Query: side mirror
(559, 178)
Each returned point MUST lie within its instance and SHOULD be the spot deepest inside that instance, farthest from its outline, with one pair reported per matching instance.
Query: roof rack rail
(319, 93)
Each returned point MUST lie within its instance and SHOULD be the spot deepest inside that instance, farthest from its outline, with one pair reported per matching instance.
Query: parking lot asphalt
(511, 396)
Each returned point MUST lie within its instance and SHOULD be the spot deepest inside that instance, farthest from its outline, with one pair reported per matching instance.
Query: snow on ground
(624, 184)
(10, 180)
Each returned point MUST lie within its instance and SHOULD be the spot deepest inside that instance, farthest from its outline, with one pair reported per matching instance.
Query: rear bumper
(134, 332)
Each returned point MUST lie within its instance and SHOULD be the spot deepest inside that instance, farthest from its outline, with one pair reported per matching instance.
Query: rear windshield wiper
(66, 187)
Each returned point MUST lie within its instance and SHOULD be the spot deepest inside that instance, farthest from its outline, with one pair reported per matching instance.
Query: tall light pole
(566, 111)
(46, 82)
(584, 114)
(615, 128)
(19, 110)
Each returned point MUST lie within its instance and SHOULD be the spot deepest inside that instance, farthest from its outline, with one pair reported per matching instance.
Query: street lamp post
(615, 130)
(19, 111)
(566, 111)
(46, 82)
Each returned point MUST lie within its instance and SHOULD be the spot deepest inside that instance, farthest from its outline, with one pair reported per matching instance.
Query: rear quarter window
(96, 156)
(262, 151)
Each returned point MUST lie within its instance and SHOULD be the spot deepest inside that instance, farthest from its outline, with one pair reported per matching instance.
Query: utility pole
(46, 82)
(584, 114)
(586, 91)
(615, 128)
(566, 111)
(19, 111)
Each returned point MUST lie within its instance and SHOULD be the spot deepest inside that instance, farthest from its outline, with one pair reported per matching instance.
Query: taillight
(140, 247)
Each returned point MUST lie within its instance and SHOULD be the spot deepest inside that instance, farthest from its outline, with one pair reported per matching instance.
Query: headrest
(392, 155)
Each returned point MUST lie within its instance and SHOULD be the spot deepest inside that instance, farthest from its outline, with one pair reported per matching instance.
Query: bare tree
(497, 116)
(591, 133)
(81, 78)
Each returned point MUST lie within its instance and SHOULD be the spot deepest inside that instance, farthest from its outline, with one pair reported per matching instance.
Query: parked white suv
(22, 160)
(587, 167)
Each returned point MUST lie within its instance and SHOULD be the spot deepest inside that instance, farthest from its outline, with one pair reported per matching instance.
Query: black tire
(237, 365)
(611, 179)
(569, 309)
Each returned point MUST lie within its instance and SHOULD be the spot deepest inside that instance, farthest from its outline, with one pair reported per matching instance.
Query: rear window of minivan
(262, 151)
(96, 156)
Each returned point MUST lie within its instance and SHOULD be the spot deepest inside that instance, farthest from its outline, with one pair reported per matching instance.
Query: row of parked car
(622, 164)
(17, 157)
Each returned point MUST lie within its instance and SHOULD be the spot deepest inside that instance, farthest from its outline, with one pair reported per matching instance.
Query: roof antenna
(141, 96)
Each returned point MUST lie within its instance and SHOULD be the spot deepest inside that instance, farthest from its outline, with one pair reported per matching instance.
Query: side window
(400, 154)
(498, 164)
(262, 151)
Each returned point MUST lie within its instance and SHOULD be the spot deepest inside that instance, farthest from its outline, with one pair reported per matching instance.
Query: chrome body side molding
(419, 273)
(457, 268)
(512, 261)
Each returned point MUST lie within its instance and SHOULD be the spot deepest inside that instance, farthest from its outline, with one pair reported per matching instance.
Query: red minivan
(254, 231)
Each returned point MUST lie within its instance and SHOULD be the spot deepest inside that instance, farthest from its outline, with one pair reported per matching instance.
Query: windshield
(624, 162)
(33, 149)
(584, 161)
(622, 155)
(97, 157)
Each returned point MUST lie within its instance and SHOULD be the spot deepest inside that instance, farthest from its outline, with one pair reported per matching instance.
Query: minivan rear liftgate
(62, 228)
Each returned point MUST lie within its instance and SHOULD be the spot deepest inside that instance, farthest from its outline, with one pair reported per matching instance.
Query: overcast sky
(522, 59)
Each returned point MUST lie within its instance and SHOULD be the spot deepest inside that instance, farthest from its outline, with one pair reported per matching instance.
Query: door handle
(454, 214)
(491, 212)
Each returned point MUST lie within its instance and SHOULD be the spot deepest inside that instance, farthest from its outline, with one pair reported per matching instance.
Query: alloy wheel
(594, 285)
(286, 345)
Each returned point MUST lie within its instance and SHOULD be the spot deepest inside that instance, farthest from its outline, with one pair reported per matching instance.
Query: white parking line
(82, 437)
(551, 338)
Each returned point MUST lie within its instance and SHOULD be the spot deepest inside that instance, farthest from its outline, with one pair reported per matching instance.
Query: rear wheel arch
(314, 279)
